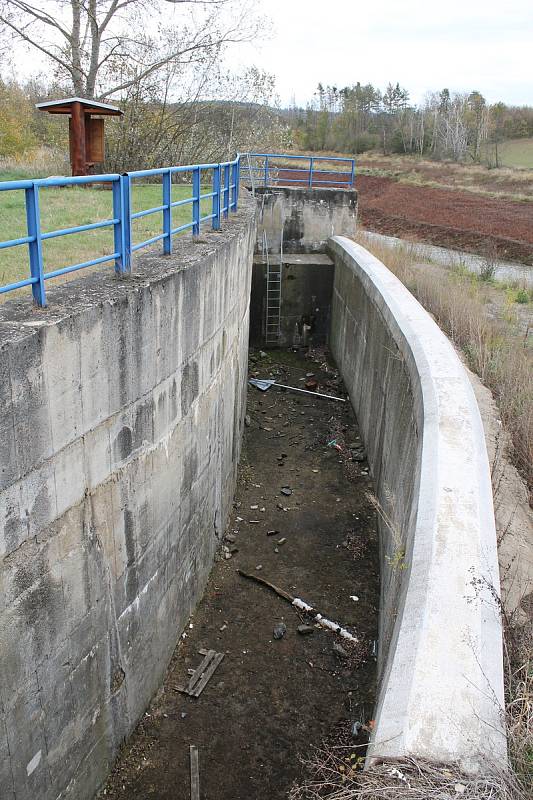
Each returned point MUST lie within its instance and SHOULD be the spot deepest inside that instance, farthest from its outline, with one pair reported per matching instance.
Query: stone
(247, 420)
(279, 630)
(286, 490)
(339, 650)
(305, 630)
(282, 540)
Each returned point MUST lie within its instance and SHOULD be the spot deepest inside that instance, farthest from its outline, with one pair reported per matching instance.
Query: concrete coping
(441, 691)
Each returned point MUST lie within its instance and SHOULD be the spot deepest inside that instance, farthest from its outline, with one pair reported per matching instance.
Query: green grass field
(73, 206)
(517, 153)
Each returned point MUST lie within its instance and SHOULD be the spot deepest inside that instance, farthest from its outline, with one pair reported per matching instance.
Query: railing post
(311, 163)
(196, 201)
(33, 220)
(167, 212)
(122, 232)
(216, 198)
(266, 171)
(352, 176)
(237, 180)
(226, 189)
(118, 227)
(234, 182)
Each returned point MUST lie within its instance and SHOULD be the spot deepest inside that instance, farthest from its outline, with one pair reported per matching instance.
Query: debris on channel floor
(195, 772)
(200, 677)
(311, 612)
(272, 701)
(264, 385)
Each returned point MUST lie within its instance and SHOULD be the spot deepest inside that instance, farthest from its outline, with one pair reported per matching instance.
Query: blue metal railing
(270, 169)
(224, 195)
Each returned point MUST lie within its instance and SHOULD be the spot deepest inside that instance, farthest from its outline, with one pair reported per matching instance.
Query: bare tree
(104, 47)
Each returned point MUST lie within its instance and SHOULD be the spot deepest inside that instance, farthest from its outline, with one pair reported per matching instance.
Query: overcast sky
(423, 44)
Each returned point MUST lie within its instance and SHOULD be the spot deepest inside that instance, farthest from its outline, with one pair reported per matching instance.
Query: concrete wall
(122, 409)
(297, 223)
(440, 650)
(304, 218)
(306, 291)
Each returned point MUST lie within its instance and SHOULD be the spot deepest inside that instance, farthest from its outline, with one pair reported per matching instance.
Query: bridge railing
(223, 194)
(278, 169)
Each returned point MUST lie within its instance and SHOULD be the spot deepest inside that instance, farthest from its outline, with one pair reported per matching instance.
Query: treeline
(446, 125)
(156, 130)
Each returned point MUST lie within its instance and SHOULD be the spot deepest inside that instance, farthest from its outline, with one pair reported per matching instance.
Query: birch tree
(100, 48)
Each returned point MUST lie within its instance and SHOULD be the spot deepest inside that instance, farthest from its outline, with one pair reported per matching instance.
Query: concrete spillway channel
(271, 700)
(124, 407)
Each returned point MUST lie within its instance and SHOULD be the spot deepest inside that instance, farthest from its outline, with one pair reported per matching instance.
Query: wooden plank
(195, 772)
(199, 671)
(207, 675)
(196, 674)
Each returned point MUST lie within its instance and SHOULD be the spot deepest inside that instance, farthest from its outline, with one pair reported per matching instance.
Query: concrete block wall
(440, 650)
(122, 412)
(304, 219)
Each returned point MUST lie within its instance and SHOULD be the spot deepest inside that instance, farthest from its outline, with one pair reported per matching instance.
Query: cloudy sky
(423, 44)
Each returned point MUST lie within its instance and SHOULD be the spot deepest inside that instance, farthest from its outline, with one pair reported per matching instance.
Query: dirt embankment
(489, 226)
(460, 220)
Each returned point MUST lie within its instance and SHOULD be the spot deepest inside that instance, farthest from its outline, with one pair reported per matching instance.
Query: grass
(517, 153)
(73, 206)
(335, 774)
(506, 183)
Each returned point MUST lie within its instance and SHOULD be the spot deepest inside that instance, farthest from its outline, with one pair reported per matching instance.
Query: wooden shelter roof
(89, 106)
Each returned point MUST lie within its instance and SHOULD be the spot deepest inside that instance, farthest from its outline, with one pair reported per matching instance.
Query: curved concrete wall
(122, 409)
(440, 650)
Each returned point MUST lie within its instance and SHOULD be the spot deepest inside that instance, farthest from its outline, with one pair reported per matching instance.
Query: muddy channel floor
(271, 701)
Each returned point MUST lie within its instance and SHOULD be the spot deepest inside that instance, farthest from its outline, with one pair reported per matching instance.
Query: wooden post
(77, 132)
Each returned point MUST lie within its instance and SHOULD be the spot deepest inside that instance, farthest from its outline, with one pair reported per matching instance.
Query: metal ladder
(273, 295)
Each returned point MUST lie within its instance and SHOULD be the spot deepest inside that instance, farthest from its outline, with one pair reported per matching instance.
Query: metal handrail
(224, 196)
(267, 170)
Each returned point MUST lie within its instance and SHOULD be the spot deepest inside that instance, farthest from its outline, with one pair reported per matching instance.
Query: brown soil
(460, 220)
(271, 700)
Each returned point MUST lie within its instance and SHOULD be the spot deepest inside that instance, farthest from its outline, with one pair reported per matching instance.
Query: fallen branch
(302, 606)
